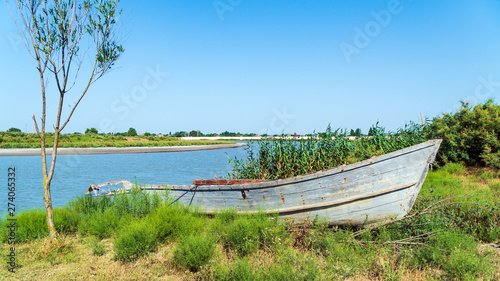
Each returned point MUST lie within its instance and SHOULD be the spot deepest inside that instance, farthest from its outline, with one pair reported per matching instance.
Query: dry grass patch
(135, 139)
(72, 259)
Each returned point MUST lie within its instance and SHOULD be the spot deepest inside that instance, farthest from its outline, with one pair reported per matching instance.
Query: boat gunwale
(292, 180)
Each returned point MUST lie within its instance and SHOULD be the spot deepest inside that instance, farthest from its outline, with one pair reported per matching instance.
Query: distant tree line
(195, 133)
(130, 133)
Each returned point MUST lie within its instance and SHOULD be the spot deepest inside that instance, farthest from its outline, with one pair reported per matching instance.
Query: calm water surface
(75, 173)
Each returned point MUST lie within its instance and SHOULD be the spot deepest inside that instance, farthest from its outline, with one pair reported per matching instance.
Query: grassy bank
(144, 237)
(23, 140)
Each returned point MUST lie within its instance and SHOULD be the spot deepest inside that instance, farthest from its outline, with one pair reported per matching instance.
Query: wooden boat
(371, 191)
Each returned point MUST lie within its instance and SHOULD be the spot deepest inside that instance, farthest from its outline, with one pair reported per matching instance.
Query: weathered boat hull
(375, 190)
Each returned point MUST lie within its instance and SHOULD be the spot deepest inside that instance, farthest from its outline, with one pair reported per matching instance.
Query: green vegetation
(92, 139)
(14, 130)
(470, 135)
(91, 131)
(194, 251)
(282, 158)
(356, 133)
(134, 241)
(450, 233)
(197, 133)
(97, 246)
(144, 236)
(132, 132)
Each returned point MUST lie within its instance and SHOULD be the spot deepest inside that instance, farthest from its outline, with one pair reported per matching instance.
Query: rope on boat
(193, 188)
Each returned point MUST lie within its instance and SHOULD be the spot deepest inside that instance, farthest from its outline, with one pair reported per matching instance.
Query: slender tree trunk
(47, 175)
(46, 188)
(47, 199)
(48, 179)
(50, 214)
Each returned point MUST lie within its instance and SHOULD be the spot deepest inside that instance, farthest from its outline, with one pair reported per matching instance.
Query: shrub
(31, 225)
(66, 220)
(481, 220)
(174, 221)
(470, 135)
(241, 236)
(102, 225)
(91, 131)
(136, 203)
(14, 130)
(136, 240)
(194, 251)
(88, 205)
(131, 132)
(247, 233)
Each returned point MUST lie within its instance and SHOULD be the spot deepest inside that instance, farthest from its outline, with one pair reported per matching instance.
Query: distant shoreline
(113, 150)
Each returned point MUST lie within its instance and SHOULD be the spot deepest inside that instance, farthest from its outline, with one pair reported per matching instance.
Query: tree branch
(81, 97)
(36, 125)
(432, 207)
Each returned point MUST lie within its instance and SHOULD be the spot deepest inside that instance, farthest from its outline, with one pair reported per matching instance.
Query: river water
(75, 173)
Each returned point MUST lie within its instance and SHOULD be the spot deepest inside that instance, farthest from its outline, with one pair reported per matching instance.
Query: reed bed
(284, 157)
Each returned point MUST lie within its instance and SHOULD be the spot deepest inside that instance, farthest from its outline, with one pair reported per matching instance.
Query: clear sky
(274, 66)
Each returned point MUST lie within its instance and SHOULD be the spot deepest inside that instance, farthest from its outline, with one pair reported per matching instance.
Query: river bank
(113, 150)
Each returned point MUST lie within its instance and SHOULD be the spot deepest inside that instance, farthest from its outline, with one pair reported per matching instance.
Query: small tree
(357, 133)
(14, 130)
(195, 133)
(91, 131)
(53, 31)
(180, 134)
(132, 132)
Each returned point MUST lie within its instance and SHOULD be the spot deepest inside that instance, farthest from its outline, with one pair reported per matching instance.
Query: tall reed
(285, 157)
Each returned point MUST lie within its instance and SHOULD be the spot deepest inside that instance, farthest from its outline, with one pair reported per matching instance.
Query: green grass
(97, 246)
(149, 238)
(454, 253)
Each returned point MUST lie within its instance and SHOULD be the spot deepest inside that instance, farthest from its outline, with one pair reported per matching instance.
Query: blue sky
(274, 66)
